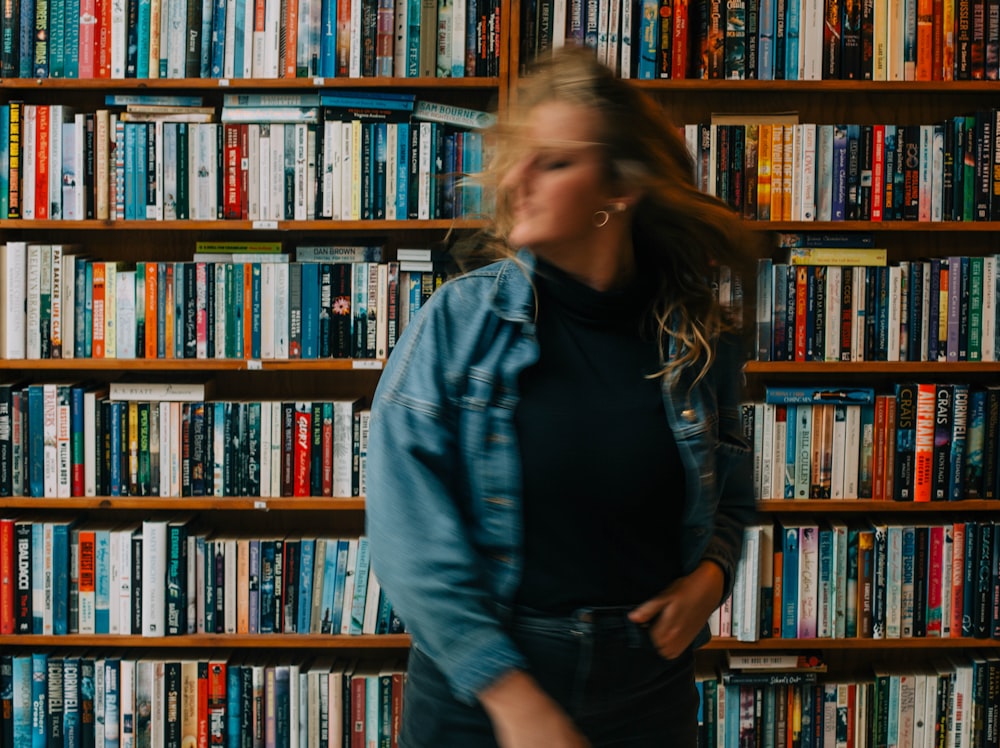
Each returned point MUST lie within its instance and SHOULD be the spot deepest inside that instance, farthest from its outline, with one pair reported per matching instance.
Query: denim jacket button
(689, 415)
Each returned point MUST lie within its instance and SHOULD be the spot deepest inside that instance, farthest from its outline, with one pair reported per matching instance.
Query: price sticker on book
(265, 224)
(367, 363)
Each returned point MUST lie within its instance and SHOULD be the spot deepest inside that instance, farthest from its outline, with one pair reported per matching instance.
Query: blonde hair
(679, 233)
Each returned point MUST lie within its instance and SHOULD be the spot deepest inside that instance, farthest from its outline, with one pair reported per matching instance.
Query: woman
(557, 481)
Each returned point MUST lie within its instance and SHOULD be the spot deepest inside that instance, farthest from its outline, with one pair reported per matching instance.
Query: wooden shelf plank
(890, 369)
(380, 226)
(192, 503)
(785, 645)
(192, 364)
(857, 506)
(223, 85)
(213, 641)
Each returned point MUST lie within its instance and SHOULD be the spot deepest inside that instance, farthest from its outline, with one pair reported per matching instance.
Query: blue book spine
(130, 168)
(402, 172)
(765, 41)
(360, 586)
(71, 726)
(115, 473)
(310, 309)
(412, 38)
(384, 614)
(113, 708)
(826, 606)
(88, 309)
(102, 582)
(328, 39)
(282, 693)
(329, 586)
(71, 63)
(255, 320)
(239, 43)
(161, 310)
(233, 706)
(970, 572)
(142, 63)
(57, 38)
(36, 442)
(790, 583)
(307, 549)
(205, 58)
(39, 671)
(140, 170)
(218, 52)
(60, 578)
(792, 15)
(76, 437)
(22, 686)
(253, 606)
(26, 39)
(839, 195)
(338, 588)
(266, 612)
(649, 39)
(179, 306)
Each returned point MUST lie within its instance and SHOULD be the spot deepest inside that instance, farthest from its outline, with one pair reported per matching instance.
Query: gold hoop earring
(601, 218)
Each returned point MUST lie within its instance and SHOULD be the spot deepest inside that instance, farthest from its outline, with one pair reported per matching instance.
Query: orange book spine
(302, 454)
(957, 577)
(764, 173)
(151, 306)
(291, 33)
(925, 39)
(97, 307)
(787, 177)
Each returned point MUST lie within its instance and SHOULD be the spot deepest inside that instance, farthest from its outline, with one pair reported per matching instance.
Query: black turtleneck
(603, 483)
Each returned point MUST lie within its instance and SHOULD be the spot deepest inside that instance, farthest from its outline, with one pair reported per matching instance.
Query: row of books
(63, 440)
(924, 442)
(60, 303)
(774, 39)
(870, 579)
(165, 577)
(951, 702)
(835, 172)
(937, 309)
(239, 39)
(110, 701)
(260, 163)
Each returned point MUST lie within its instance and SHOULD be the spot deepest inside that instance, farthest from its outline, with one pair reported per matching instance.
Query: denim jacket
(444, 475)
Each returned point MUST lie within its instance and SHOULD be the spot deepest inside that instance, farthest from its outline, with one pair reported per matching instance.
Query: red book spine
(924, 446)
(358, 687)
(231, 198)
(878, 171)
(680, 43)
(801, 301)
(202, 704)
(216, 703)
(6, 576)
(102, 35)
(303, 421)
(934, 581)
(42, 165)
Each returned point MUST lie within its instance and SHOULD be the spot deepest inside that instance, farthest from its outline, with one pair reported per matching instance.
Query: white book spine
(33, 300)
(277, 166)
(272, 23)
(989, 326)
(354, 66)
(229, 608)
(119, 26)
(28, 157)
(13, 286)
(229, 57)
(174, 450)
(852, 452)
(123, 583)
(57, 113)
(154, 566)
(424, 174)
(301, 161)
(265, 450)
(275, 448)
(895, 310)
(251, 163)
(249, 11)
(50, 431)
(458, 28)
(63, 457)
(67, 296)
(281, 312)
(264, 171)
(267, 304)
(347, 156)
(766, 427)
(343, 447)
(834, 289)
(837, 464)
(926, 164)
(125, 313)
(391, 165)
(352, 564)
(221, 312)
(808, 173)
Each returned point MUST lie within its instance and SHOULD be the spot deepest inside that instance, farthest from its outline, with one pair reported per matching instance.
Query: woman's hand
(678, 613)
(524, 716)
